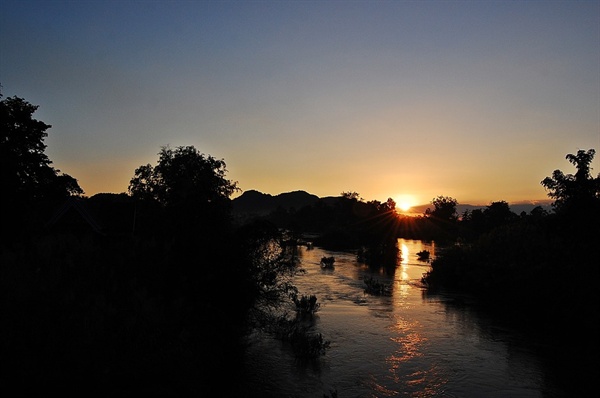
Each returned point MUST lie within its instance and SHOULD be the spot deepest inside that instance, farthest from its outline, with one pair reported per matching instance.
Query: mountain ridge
(259, 203)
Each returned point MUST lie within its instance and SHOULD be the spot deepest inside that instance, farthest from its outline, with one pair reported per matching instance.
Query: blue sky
(478, 100)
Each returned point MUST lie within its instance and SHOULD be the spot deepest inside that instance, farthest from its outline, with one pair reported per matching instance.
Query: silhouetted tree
(183, 175)
(27, 177)
(190, 186)
(538, 213)
(350, 195)
(389, 206)
(516, 267)
(26, 170)
(472, 223)
(498, 213)
(444, 209)
(382, 234)
(443, 218)
(573, 193)
(268, 266)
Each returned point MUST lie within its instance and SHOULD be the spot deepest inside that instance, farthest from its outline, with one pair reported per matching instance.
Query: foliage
(382, 254)
(271, 264)
(573, 192)
(477, 222)
(343, 223)
(184, 175)
(519, 269)
(306, 305)
(25, 169)
(440, 223)
(444, 209)
(424, 254)
(327, 262)
(270, 267)
(377, 288)
(114, 310)
(534, 269)
(498, 213)
(300, 334)
(185, 197)
(351, 195)
(308, 345)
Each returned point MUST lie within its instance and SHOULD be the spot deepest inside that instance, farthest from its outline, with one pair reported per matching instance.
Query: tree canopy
(32, 186)
(574, 192)
(25, 168)
(183, 175)
(189, 188)
(444, 209)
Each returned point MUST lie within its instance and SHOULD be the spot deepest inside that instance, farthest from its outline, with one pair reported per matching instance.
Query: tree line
(537, 271)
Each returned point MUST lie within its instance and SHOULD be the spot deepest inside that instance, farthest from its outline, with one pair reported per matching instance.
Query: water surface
(409, 344)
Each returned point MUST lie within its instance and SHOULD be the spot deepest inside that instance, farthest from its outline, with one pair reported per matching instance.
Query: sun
(404, 202)
(404, 206)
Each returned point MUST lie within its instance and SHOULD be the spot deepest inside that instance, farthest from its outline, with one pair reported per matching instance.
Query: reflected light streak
(382, 391)
(409, 341)
(404, 275)
(405, 254)
(401, 291)
(425, 383)
(404, 262)
(409, 348)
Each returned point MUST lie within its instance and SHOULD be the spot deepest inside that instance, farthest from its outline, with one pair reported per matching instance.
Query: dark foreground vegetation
(152, 292)
(539, 272)
(145, 293)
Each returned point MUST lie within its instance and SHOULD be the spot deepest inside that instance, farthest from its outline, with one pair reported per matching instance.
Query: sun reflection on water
(409, 341)
(405, 364)
(404, 253)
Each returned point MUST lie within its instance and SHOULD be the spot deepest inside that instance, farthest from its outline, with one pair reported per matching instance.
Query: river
(409, 344)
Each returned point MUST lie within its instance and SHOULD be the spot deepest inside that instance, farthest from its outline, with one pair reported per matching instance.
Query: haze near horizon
(479, 101)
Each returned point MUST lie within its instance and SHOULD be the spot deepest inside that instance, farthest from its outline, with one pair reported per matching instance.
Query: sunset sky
(477, 100)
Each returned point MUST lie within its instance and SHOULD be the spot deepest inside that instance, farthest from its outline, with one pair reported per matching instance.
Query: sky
(409, 100)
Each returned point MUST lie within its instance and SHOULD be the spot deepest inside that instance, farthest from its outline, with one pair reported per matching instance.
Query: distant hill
(256, 203)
